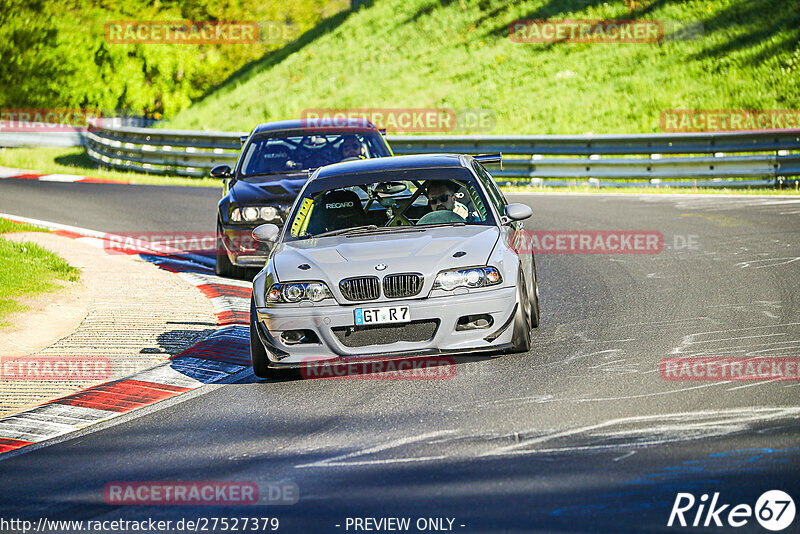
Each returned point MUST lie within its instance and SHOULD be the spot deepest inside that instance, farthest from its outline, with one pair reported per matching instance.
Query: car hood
(277, 187)
(427, 252)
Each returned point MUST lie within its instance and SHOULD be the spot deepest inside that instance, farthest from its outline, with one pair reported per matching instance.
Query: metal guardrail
(604, 145)
(760, 166)
(25, 139)
(181, 152)
(768, 155)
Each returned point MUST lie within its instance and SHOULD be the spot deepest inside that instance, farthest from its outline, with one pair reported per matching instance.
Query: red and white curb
(220, 355)
(18, 174)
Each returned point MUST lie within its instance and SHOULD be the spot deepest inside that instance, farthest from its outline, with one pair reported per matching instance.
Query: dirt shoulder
(124, 311)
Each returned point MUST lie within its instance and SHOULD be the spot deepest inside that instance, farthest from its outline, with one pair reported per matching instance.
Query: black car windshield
(417, 199)
(281, 153)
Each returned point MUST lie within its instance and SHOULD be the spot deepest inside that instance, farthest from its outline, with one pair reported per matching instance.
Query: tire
(223, 266)
(534, 314)
(258, 354)
(521, 338)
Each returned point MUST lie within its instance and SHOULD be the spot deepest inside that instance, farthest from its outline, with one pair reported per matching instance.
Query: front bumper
(240, 247)
(324, 321)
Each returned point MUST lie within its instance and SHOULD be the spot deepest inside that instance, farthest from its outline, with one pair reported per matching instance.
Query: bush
(55, 54)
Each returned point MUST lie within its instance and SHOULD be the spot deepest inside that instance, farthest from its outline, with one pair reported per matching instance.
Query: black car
(275, 163)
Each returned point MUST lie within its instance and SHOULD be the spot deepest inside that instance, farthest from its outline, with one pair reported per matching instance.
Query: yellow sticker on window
(300, 222)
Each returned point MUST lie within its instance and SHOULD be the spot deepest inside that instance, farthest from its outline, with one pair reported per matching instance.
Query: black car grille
(402, 285)
(363, 336)
(358, 289)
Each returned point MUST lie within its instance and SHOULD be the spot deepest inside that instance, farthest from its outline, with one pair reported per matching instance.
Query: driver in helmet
(351, 147)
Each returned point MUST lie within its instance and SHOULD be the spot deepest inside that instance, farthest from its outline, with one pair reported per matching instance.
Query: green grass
(457, 54)
(26, 270)
(7, 227)
(73, 160)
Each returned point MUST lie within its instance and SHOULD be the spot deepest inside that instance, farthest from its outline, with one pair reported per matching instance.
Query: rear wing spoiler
(483, 159)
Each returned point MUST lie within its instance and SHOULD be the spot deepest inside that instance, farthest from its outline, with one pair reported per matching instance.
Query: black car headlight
(252, 214)
(292, 292)
(471, 278)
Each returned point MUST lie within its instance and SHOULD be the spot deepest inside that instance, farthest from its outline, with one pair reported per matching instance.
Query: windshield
(280, 153)
(389, 201)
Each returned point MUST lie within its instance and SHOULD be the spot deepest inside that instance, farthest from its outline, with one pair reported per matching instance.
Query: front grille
(358, 289)
(363, 336)
(402, 285)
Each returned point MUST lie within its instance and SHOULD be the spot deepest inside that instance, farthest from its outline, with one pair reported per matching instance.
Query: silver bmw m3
(394, 258)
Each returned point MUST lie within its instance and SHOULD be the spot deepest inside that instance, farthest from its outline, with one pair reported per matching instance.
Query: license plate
(387, 314)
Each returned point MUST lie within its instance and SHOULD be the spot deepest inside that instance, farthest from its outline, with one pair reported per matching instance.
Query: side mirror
(266, 233)
(518, 212)
(221, 171)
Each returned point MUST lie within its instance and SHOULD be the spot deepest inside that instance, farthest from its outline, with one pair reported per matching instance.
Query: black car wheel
(534, 315)
(522, 321)
(223, 266)
(258, 354)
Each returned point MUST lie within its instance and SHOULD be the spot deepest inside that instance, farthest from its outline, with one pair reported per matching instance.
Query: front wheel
(223, 266)
(534, 315)
(258, 354)
(521, 338)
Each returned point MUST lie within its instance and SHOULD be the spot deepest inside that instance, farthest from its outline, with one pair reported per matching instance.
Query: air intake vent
(358, 289)
(277, 190)
(365, 336)
(402, 285)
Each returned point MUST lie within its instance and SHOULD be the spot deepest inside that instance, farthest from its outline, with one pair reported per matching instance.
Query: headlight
(256, 213)
(293, 292)
(317, 292)
(250, 214)
(297, 291)
(474, 277)
(268, 213)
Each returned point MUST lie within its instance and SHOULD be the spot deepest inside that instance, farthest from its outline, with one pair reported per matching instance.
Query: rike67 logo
(774, 510)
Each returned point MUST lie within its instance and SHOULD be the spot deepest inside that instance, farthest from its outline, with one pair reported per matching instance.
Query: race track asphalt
(580, 434)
